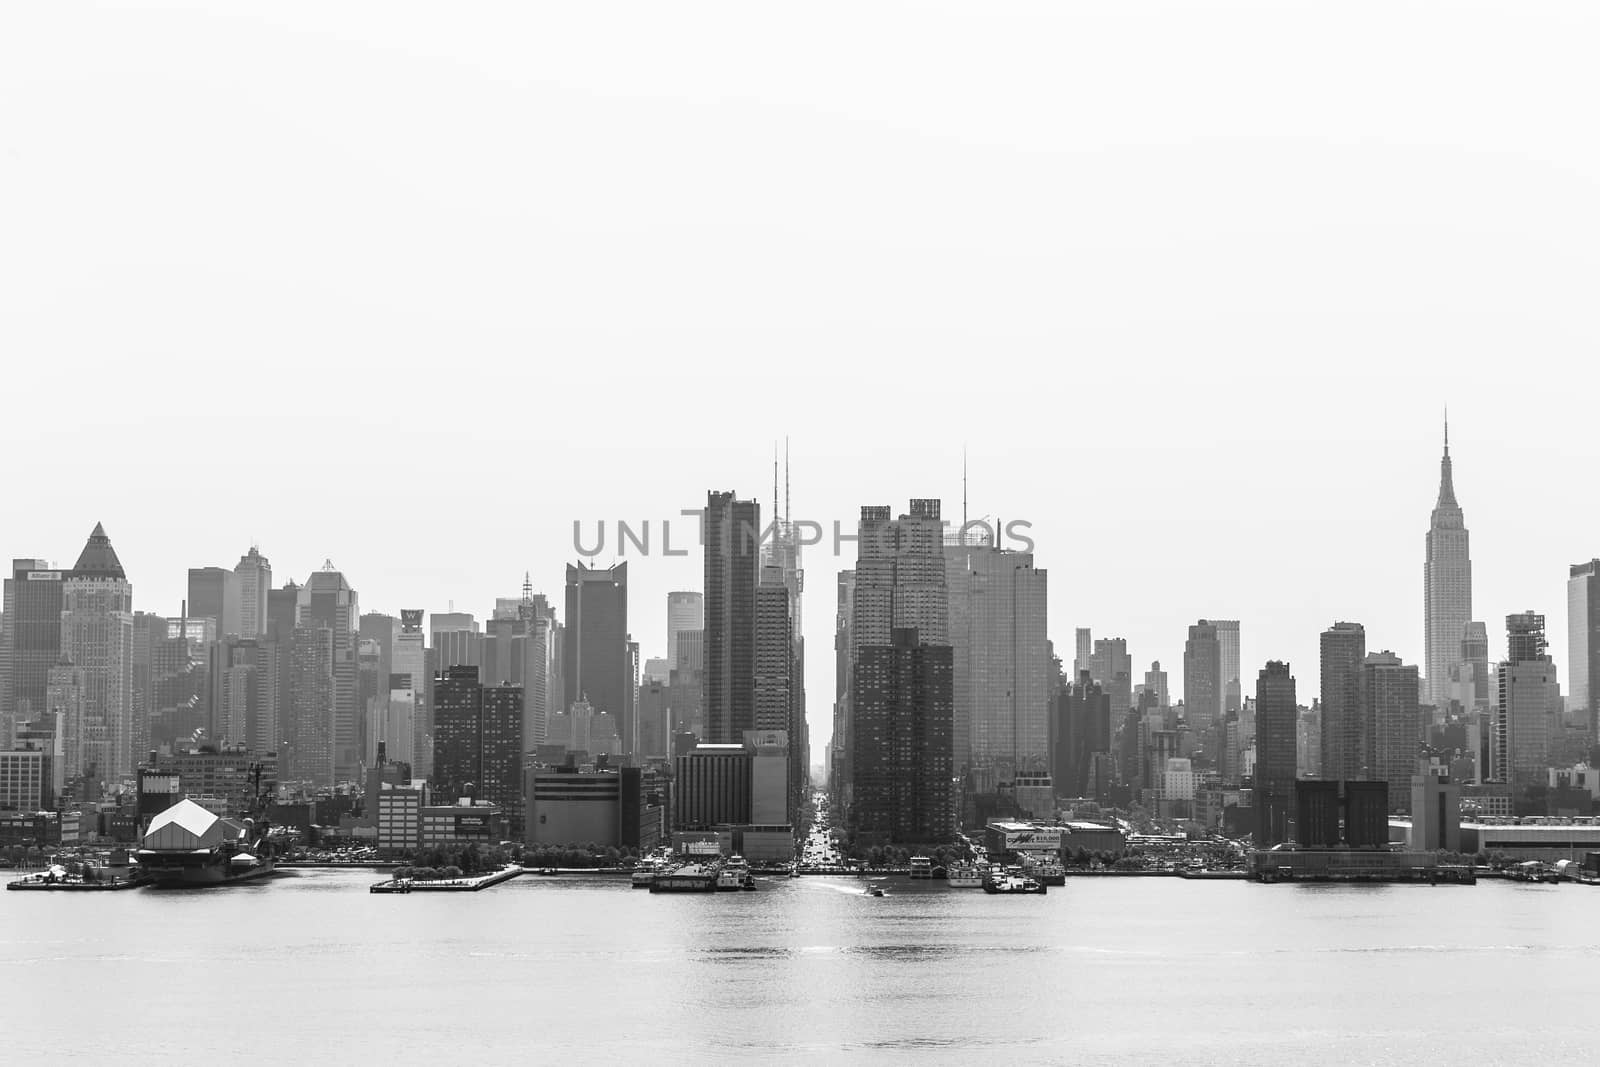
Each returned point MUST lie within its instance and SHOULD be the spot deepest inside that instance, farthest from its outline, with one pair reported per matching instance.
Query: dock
(447, 885)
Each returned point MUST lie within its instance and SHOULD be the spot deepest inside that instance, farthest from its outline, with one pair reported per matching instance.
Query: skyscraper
(1276, 763)
(410, 660)
(1112, 667)
(1084, 721)
(309, 712)
(1529, 699)
(32, 636)
(597, 666)
(732, 530)
(254, 574)
(1390, 711)
(479, 740)
(1345, 754)
(686, 610)
(1583, 642)
(1155, 683)
(214, 595)
(97, 637)
(1232, 684)
(1084, 648)
(1447, 585)
(327, 600)
(1202, 677)
(998, 626)
(902, 685)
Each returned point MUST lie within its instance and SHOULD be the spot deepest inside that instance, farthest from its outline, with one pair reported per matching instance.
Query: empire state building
(1447, 585)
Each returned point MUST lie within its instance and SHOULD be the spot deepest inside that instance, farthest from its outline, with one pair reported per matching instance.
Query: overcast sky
(414, 288)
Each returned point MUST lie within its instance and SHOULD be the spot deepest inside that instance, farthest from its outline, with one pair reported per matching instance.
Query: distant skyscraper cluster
(951, 707)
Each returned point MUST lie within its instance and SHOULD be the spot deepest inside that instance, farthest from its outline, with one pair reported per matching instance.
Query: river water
(586, 969)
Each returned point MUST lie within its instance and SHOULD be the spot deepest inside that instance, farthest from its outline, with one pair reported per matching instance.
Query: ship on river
(186, 845)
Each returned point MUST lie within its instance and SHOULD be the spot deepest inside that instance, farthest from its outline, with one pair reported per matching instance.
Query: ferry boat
(186, 845)
(965, 876)
(1007, 884)
(734, 874)
(645, 874)
(921, 867)
(686, 878)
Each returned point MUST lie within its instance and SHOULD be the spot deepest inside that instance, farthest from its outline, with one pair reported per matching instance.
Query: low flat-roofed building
(1532, 839)
(462, 824)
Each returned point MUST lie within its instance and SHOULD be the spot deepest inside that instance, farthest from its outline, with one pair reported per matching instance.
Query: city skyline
(656, 576)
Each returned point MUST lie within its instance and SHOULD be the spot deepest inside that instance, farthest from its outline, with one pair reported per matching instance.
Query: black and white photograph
(700, 498)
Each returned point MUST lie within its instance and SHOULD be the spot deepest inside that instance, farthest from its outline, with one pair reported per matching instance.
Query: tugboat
(1007, 884)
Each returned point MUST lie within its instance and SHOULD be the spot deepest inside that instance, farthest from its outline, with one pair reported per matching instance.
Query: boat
(1007, 884)
(921, 867)
(1048, 872)
(965, 876)
(189, 846)
(874, 891)
(397, 885)
(644, 874)
(733, 874)
(686, 878)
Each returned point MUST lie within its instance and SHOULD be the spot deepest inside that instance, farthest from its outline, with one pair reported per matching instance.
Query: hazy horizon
(1191, 286)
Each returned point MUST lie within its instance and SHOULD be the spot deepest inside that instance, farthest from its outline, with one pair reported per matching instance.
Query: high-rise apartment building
(839, 774)
(902, 685)
(1390, 705)
(732, 532)
(1583, 642)
(1528, 707)
(410, 661)
(1276, 761)
(1345, 736)
(1084, 648)
(1447, 585)
(1202, 677)
(309, 712)
(478, 740)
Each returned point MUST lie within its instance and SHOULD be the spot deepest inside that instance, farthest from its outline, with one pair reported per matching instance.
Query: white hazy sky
(414, 287)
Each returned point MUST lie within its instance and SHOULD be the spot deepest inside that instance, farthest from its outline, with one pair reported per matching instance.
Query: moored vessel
(965, 876)
(186, 845)
(686, 878)
(921, 867)
(734, 874)
(1009, 884)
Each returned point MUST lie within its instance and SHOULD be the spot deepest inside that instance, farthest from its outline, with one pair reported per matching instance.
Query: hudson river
(309, 967)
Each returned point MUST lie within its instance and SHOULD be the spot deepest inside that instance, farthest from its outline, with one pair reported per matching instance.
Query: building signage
(159, 783)
(1041, 839)
(472, 824)
(44, 576)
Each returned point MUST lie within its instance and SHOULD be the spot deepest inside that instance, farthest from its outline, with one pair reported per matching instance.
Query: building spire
(1447, 488)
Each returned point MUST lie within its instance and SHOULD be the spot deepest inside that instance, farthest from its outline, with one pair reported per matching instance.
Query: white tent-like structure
(188, 827)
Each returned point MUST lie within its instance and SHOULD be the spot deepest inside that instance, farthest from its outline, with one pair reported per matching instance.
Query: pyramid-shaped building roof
(98, 559)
